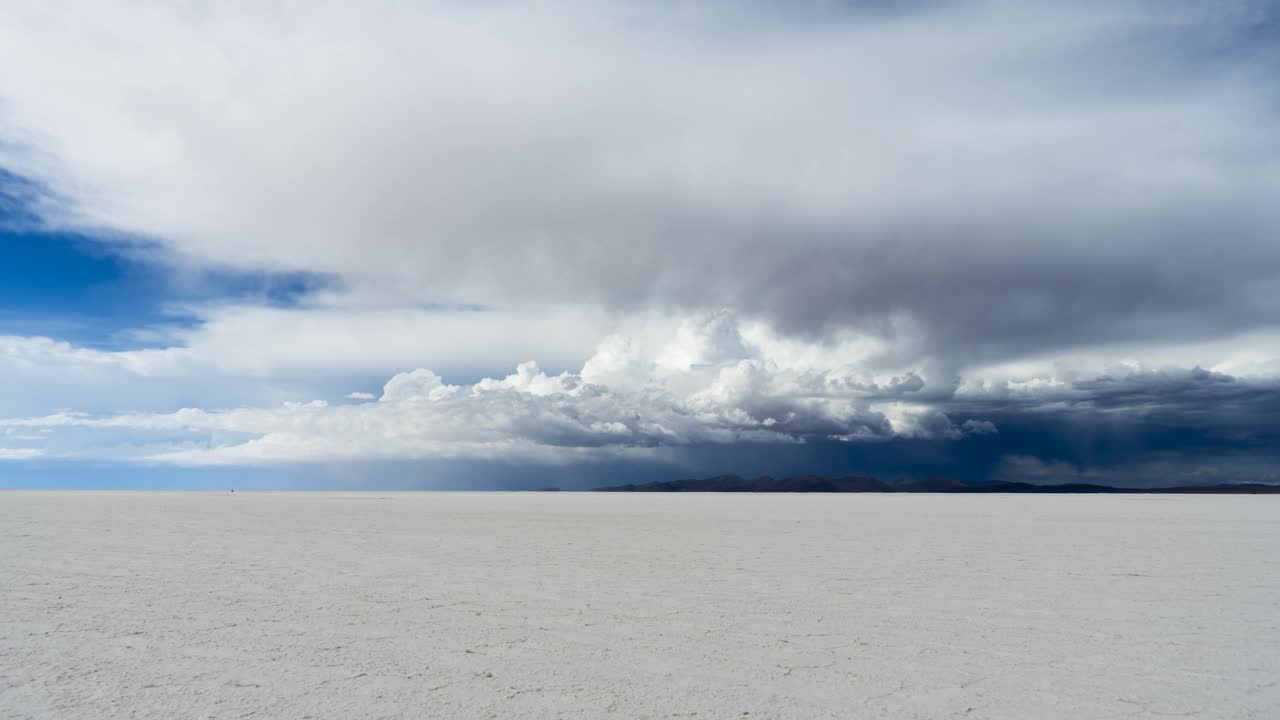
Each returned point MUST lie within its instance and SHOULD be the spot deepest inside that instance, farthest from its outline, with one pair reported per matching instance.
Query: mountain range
(866, 484)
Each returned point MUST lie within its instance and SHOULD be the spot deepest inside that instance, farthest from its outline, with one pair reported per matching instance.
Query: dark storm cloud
(1149, 430)
(1141, 429)
(1243, 410)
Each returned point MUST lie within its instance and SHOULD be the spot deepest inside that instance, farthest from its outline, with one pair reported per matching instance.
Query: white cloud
(20, 453)
(339, 337)
(868, 169)
(234, 354)
(627, 401)
(705, 341)
(732, 383)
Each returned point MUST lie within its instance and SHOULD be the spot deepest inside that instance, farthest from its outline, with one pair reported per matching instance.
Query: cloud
(331, 335)
(628, 401)
(1159, 397)
(979, 427)
(20, 453)
(235, 353)
(748, 390)
(962, 181)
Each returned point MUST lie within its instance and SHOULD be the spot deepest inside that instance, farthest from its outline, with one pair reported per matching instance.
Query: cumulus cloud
(626, 401)
(1132, 424)
(236, 353)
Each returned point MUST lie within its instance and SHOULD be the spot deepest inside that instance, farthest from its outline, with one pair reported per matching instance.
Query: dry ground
(453, 605)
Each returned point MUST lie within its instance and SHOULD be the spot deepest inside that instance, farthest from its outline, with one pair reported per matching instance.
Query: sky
(517, 244)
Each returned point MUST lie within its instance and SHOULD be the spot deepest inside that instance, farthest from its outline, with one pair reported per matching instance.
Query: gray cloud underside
(970, 180)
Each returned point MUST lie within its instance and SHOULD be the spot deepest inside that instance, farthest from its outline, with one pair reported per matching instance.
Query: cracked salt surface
(525, 605)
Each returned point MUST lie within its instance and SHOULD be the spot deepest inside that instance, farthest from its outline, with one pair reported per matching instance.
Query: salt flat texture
(492, 605)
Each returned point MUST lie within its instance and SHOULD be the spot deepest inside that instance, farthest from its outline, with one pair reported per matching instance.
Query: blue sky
(94, 288)
(514, 245)
(67, 285)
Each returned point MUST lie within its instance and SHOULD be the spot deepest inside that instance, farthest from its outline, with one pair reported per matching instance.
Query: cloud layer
(710, 384)
(968, 180)
(705, 385)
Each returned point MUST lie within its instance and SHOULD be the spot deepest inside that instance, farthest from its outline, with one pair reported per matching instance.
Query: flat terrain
(452, 605)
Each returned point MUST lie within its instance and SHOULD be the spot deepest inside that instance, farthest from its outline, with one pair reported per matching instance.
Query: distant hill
(733, 483)
(861, 484)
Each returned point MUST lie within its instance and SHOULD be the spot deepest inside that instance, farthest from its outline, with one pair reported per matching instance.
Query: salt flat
(455, 605)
